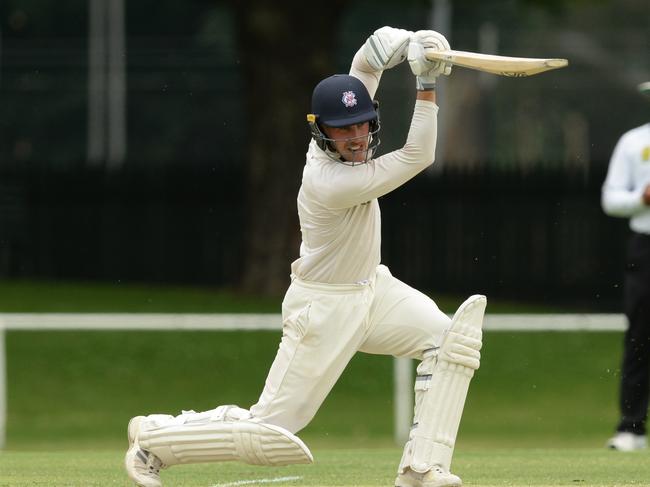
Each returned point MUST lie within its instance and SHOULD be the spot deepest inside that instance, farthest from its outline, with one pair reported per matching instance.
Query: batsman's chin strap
(317, 134)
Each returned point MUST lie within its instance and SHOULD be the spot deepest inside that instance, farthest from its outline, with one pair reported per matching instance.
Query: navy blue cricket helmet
(342, 100)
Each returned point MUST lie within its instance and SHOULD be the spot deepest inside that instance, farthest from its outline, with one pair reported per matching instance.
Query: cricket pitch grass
(539, 410)
(479, 467)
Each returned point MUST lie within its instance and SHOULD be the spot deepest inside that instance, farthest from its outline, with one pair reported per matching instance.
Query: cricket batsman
(341, 300)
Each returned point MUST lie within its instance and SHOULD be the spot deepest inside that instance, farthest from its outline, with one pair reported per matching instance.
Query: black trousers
(635, 374)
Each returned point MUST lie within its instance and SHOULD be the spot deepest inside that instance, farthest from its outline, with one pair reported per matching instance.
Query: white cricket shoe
(436, 477)
(625, 441)
(141, 466)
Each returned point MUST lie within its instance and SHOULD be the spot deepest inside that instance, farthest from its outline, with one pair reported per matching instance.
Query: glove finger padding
(417, 61)
(432, 40)
(386, 48)
(429, 40)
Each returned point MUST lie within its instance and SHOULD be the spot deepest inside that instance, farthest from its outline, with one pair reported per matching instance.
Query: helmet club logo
(349, 99)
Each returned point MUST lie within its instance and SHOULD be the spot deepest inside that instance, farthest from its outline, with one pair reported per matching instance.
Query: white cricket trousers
(324, 325)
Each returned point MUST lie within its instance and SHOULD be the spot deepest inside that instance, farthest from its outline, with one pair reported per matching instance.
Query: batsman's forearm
(420, 146)
(346, 188)
(361, 70)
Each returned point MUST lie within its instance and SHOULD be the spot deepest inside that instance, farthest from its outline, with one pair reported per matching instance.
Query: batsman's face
(351, 141)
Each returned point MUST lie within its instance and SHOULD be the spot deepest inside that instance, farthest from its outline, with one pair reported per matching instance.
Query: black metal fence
(540, 236)
(174, 211)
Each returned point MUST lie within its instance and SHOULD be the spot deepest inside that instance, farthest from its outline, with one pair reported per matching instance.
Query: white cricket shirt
(338, 209)
(627, 177)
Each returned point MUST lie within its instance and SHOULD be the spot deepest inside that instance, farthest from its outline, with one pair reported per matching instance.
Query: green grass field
(479, 467)
(72, 387)
(97, 297)
(539, 410)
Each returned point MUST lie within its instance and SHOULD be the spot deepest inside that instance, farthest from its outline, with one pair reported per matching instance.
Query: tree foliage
(283, 54)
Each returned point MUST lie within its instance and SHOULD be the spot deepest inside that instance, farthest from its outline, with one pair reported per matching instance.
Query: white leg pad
(222, 434)
(440, 396)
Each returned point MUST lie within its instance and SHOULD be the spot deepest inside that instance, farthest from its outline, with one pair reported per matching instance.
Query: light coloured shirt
(339, 213)
(627, 177)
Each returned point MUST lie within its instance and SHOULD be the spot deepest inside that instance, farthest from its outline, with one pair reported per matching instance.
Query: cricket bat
(502, 65)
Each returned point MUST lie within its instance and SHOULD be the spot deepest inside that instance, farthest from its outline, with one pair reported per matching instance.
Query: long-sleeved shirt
(627, 177)
(339, 213)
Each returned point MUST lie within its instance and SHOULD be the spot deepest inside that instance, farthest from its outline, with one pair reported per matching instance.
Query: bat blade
(501, 65)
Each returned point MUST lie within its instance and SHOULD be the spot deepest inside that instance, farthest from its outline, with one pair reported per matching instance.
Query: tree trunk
(283, 55)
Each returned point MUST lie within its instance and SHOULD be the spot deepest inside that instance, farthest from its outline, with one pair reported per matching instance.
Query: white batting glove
(386, 48)
(427, 71)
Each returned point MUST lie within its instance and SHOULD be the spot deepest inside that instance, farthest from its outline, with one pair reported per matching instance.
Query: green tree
(284, 52)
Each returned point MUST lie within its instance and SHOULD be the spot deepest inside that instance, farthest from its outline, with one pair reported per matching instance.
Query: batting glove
(427, 71)
(386, 48)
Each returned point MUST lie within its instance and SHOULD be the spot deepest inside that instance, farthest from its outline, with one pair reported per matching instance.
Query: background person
(626, 194)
